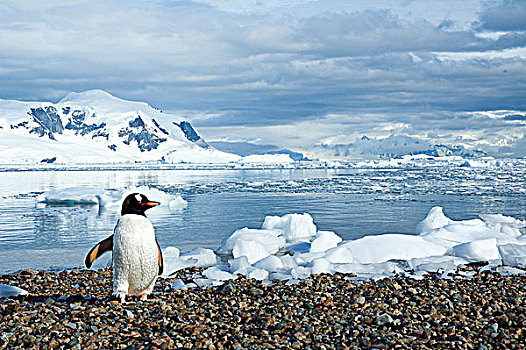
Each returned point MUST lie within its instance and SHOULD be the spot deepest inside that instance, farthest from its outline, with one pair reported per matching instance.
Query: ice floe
(291, 248)
(111, 198)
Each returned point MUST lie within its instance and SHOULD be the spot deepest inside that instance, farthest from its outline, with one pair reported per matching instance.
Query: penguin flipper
(161, 266)
(99, 249)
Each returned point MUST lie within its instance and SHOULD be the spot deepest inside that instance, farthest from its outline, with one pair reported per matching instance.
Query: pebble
(384, 319)
(75, 310)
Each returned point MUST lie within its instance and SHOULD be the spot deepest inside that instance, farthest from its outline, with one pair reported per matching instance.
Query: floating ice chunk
(501, 219)
(480, 250)
(307, 258)
(435, 219)
(295, 227)
(205, 257)
(171, 253)
(488, 162)
(11, 291)
(510, 271)
(376, 249)
(72, 195)
(268, 238)
(258, 274)
(253, 250)
(321, 265)
(300, 272)
(288, 261)
(218, 273)
(281, 276)
(179, 284)
(111, 198)
(206, 282)
(292, 282)
(369, 270)
(470, 230)
(239, 265)
(339, 255)
(324, 240)
(298, 247)
(436, 263)
(173, 263)
(513, 254)
(271, 263)
(178, 203)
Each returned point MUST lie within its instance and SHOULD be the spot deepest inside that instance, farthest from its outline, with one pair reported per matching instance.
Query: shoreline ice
(292, 248)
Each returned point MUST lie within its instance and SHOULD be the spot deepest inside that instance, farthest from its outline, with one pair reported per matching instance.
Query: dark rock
(226, 288)
(384, 319)
(48, 120)
(188, 131)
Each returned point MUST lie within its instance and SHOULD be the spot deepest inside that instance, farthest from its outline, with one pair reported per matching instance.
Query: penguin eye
(138, 197)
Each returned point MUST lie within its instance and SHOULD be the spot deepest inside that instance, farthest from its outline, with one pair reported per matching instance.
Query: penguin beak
(150, 204)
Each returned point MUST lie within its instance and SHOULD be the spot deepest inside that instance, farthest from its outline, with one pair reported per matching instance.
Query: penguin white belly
(135, 256)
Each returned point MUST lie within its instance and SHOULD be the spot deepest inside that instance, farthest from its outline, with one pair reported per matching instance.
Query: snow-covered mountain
(96, 127)
(396, 146)
(248, 148)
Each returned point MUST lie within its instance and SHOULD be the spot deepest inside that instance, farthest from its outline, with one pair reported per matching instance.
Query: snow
(291, 248)
(95, 108)
(7, 291)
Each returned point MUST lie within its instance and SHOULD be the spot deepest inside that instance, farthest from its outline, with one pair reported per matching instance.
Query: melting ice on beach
(291, 248)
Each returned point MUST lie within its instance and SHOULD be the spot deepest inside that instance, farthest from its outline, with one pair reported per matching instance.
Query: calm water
(350, 202)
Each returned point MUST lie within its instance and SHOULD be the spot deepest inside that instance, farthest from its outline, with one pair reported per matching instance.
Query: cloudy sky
(295, 73)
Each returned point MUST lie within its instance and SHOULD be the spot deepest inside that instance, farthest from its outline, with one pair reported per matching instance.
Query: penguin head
(137, 203)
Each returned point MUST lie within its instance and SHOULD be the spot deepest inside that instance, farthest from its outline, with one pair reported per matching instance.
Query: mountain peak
(95, 94)
(104, 102)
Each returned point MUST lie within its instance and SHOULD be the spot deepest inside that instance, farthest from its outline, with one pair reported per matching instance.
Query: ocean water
(351, 202)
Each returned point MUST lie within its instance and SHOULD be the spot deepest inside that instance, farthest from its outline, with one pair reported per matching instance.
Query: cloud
(504, 15)
(269, 68)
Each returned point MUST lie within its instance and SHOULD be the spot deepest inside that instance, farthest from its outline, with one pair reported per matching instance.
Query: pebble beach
(75, 310)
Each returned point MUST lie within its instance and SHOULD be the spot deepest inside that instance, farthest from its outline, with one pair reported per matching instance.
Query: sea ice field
(373, 220)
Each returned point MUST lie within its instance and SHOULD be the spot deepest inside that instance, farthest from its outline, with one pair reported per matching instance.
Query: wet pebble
(75, 310)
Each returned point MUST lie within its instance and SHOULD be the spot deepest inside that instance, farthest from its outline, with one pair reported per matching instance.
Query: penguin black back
(137, 203)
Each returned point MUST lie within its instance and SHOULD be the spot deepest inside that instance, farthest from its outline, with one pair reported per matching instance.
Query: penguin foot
(144, 297)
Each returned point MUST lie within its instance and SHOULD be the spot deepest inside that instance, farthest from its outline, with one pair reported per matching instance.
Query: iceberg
(111, 198)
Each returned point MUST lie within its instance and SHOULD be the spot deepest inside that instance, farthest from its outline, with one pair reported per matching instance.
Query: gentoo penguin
(137, 257)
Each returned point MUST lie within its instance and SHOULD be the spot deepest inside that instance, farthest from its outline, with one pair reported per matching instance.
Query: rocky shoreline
(74, 309)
